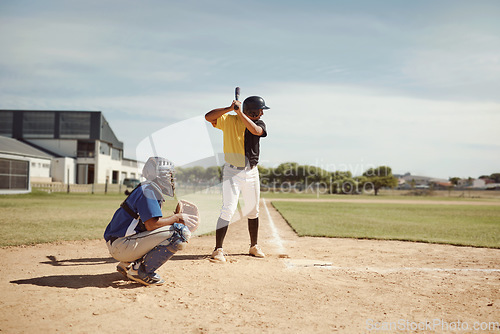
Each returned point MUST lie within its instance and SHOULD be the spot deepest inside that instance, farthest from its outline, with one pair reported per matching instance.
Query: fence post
(68, 182)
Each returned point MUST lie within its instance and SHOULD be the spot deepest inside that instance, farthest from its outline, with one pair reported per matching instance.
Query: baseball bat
(237, 96)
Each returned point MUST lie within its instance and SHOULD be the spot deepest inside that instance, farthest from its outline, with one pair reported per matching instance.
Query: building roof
(16, 147)
(443, 184)
(418, 178)
(57, 124)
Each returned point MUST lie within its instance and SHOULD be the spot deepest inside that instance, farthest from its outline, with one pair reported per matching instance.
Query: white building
(81, 145)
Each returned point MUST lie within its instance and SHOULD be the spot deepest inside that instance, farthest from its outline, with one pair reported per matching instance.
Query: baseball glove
(191, 209)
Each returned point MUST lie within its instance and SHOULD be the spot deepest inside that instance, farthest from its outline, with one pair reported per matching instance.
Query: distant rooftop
(15, 147)
(418, 178)
(57, 124)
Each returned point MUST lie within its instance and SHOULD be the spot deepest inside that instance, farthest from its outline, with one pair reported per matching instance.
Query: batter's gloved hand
(236, 105)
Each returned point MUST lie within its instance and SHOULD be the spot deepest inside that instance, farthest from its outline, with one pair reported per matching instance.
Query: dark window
(115, 177)
(85, 149)
(75, 125)
(116, 154)
(14, 174)
(6, 120)
(104, 148)
(38, 124)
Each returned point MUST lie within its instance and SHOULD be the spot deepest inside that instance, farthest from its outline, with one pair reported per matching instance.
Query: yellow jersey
(234, 139)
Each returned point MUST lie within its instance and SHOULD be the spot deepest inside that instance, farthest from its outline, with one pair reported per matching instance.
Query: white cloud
(348, 86)
(349, 125)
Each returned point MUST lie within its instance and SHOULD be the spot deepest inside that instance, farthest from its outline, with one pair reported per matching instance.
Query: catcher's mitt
(189, 208)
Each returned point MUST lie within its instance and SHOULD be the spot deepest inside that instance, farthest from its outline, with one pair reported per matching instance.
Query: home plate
(302, 263)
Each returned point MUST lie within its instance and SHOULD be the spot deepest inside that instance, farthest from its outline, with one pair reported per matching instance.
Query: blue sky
(351, 84)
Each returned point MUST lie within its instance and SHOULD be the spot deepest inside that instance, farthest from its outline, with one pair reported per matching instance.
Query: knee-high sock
(220, 233)
(253, 229)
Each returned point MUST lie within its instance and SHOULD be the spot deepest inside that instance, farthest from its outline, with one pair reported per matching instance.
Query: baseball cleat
(123, 268)
(218, 256)
(143, 278)
(256, 251)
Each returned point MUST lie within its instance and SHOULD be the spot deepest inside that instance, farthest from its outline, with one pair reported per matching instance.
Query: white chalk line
(276, 239)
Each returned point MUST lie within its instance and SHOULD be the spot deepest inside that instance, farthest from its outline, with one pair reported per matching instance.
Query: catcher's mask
(252, 106)
(160, 171)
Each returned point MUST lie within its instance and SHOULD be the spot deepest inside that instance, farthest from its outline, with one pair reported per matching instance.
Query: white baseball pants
(235, 181)
(133, 247)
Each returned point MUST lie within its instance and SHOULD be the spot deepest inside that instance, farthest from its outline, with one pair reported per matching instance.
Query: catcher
(139, 236)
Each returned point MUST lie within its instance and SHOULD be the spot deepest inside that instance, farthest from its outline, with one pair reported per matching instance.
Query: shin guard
(156, 257)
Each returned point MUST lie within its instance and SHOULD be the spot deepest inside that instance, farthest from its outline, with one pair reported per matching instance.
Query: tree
(495, 177)
(212, 173)
(380, 177)
(286, 172)
(343, 183)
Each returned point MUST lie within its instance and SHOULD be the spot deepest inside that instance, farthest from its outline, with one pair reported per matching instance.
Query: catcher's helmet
(253, 104)
(160, 171)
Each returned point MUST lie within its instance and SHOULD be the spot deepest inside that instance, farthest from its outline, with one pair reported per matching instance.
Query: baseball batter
(242, 133)
(138, 235)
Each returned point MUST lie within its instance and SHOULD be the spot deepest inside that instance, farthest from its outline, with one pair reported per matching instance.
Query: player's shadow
(114, 280)
(78, 262)
(98, 261)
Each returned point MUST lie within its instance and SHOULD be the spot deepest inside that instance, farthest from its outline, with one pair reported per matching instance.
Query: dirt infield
(305, 285)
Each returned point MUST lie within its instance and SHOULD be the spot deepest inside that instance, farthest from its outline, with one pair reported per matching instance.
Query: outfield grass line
(274, 231)
(384, 201)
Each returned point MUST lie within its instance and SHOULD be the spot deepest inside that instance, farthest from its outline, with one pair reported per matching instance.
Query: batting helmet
(160, 171)
(252, 106)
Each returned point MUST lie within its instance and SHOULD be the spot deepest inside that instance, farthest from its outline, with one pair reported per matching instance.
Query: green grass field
(40, 217)
(449, 224)
(490, 196)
